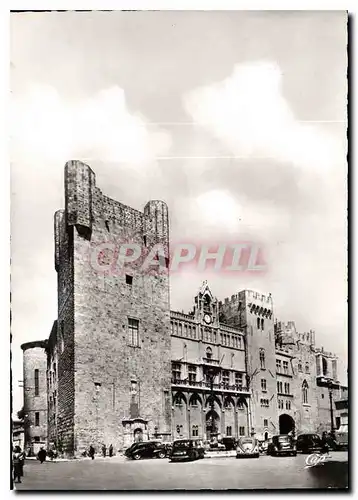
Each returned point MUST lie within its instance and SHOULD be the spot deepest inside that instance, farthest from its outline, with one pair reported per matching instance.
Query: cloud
(249, 113)
(47, 127)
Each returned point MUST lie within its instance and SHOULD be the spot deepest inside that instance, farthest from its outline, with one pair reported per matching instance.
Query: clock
(207, 318)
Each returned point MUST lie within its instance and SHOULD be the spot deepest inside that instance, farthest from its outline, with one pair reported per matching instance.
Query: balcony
(206, 386)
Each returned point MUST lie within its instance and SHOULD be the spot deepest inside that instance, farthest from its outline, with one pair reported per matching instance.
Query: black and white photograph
(179, 250)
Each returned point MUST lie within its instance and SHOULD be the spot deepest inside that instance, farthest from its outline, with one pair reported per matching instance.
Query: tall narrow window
(238, 380)
(37, 389)
(262, 324)
(305, 392)
(258, 323)
(209, 353)
(262, 358)
(229, 431)
(263, 385)
(225, 378)
(192, 373)
(242, 431)
(299, 366)
(37, 418)
(278, 365)
(307, 369)
(285, 367)
(133, 332)
(176, 371)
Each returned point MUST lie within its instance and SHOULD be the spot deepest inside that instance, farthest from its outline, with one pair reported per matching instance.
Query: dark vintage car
(247, 447)
(309, 443)
(146, 449)
(282, 445)
(187, 449)
(230, 443)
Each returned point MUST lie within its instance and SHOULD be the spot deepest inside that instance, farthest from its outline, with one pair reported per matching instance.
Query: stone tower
(35, 395)
(113, 325)
(253, 312)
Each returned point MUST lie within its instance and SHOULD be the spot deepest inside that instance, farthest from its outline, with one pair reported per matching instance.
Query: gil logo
(314, 459)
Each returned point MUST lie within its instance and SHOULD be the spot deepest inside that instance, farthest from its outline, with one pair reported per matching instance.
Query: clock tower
(206, 308)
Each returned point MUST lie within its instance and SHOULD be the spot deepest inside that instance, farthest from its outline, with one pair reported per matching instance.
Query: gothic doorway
(138, 435)
(212, 424)
(287, 424)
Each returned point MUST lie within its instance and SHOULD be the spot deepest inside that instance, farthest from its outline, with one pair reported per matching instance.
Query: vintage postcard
(179, 250)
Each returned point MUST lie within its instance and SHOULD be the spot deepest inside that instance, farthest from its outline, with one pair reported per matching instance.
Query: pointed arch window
(262, 358)
(209, 353)
(305, 392)
(299, 366)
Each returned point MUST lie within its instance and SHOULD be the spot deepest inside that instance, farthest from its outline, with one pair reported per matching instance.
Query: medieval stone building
(121, 366)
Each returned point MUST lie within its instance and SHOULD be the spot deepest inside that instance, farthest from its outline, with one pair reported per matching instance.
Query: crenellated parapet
(80, 183)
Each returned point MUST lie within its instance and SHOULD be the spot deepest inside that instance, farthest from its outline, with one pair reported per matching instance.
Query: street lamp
(330, 389)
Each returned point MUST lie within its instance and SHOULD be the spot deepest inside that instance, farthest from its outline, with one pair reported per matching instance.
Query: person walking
(17, 459)
(42, 455)
(91, 452)
(110, 450)
(104, 450)
(324, 444)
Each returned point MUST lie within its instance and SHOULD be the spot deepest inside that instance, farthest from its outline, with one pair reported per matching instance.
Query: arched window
(262, 358)
(299, 366)
(262, 324)
(258, 323)
(307, 368)
(194, 400)
(195, 431)
(240, 404)
(209, 353)
(304, 392)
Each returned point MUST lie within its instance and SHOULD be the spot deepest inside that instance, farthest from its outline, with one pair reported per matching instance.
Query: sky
(237, 120)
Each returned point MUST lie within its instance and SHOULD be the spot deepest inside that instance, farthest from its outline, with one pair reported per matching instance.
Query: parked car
(187, 449)
(341, 441)
(230, 443)
(282, 445)
(146, 449)
(309, 443)
(247, 447)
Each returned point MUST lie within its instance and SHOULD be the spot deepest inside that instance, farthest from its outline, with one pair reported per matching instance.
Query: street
(118, 473)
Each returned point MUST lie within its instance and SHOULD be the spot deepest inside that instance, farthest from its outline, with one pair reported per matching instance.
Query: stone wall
(109, 385)
(34, 358)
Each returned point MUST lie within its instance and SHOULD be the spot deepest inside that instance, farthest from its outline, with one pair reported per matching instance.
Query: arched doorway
(138, 435)
(287, 424)
(212, 424)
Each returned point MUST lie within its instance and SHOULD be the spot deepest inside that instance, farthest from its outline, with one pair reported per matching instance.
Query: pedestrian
(324, 444)
(17, 460)
(91, 452)
(110, 450)
(42, 455)
(104, 450)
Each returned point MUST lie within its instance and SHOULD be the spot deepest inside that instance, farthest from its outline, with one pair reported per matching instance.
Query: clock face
(207, 318)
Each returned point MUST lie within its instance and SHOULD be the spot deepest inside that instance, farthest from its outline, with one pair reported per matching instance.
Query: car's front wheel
(137, 456)
(161, 454)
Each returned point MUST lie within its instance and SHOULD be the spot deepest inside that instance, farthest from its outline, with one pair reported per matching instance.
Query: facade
(121, 366)
(35, 395)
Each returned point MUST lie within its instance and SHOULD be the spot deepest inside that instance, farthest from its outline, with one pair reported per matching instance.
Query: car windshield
(283, 439)
(247, 441)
